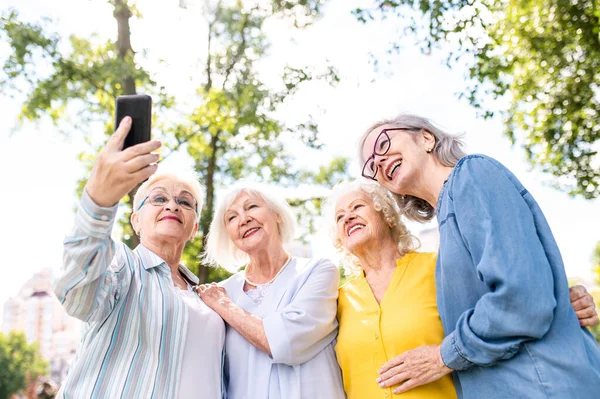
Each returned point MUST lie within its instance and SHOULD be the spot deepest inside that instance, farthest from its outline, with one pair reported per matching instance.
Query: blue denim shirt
(503, 295)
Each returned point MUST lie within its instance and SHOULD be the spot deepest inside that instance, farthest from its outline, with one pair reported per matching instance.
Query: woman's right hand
(117, 172)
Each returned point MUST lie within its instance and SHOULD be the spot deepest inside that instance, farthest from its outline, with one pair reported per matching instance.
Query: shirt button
(376, 337)
(386, 394)
(104, 217)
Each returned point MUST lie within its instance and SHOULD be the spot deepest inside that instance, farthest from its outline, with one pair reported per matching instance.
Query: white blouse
(299, 317)
(201, 367)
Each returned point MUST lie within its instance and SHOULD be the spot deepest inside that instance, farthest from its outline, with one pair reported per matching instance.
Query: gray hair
(383, 202)
(187, 178)
(448, 149)
(220, 250)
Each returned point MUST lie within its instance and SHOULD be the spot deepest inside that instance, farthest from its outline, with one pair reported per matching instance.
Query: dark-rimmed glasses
(184, 200)
(381, 147)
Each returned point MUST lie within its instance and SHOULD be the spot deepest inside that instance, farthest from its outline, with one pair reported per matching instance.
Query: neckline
(397, 277)
(270, 282)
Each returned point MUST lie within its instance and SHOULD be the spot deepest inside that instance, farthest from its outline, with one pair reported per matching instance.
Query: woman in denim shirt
(502, 290)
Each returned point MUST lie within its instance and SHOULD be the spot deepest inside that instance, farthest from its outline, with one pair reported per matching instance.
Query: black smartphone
(139, 108)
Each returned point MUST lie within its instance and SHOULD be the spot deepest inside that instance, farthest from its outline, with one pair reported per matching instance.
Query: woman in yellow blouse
(390, 306)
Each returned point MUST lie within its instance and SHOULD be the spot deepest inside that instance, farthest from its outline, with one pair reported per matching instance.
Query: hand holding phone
(139, 108)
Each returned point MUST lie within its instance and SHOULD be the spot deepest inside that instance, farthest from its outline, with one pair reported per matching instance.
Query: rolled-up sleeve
(96, 270)
(308, 323)
(499, 231)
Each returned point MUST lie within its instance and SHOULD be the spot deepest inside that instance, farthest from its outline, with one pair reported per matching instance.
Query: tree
(231, 131)
(542, 57)
(20, 363)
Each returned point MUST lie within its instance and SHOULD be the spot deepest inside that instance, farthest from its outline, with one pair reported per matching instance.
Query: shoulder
(310, 265)
(480, 173)
(350, 286)
(474, 163)
(233, 280)
(422, 258)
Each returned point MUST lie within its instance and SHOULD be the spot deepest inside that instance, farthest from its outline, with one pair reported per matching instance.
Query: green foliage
(542, 56)
(20, 363)
(231, 133)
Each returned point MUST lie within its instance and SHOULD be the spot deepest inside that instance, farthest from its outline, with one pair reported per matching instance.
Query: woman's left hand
(213, 295)
(413, 368)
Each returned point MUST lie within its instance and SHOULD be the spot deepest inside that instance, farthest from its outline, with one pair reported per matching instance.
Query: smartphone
(139, 108)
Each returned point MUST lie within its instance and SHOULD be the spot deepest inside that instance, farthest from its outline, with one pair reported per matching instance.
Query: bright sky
(39, 166)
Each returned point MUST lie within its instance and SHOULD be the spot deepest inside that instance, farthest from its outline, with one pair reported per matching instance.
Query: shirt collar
(151, 260)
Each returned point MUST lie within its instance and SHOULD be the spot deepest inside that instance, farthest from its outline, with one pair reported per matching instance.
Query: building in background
(36, 312)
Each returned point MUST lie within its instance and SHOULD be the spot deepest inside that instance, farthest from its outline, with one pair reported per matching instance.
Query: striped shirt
(135, 322)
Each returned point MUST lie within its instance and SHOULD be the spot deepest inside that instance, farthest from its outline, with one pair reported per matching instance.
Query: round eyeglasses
(381, 147)
(185, 200)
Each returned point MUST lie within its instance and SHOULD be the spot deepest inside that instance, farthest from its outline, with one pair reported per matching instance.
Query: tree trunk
(210, 201)
(122, 14)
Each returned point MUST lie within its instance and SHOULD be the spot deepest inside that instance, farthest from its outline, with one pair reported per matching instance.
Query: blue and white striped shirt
(135, 322)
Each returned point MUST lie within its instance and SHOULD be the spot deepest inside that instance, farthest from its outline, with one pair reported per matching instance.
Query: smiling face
(400, 170)
(167, 213)
(358, 225)
(251, 224)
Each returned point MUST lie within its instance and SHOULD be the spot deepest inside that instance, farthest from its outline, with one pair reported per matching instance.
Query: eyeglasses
(185, 200)
(381, 147)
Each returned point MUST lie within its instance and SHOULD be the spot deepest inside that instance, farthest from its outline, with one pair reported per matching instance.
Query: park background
(290, 88)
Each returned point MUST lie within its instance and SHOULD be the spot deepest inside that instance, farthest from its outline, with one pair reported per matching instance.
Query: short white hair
(188, 178)
(383, 202)
(220, 250)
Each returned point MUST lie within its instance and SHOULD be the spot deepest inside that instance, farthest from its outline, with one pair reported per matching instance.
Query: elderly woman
(147, 334)
(501, 286)
(390, 305)
(280, 310)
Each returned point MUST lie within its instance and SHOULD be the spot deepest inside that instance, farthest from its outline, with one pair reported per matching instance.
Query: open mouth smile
(250, 232)
(354, 227)
(393, 168)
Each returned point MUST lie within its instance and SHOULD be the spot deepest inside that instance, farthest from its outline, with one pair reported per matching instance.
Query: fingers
(115, 143)
(585, 313)
(141, 149)
(140, 162)
(576, 292)
(144, 173)
(392, 363)
(409, 384)
(583, 302)
(589, 322)
(393, 376)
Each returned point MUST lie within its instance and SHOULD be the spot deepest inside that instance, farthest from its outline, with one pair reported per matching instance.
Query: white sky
(39, 168)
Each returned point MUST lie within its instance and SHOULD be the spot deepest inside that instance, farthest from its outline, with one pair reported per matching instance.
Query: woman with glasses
(280, 310)
(147, 334)
(502, 291)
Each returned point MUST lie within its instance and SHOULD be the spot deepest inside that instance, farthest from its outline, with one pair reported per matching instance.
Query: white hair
(220, 249)
(383, 202)
(188, 178)
(448, 149)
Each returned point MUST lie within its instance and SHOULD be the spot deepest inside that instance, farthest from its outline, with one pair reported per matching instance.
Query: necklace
(289, 257)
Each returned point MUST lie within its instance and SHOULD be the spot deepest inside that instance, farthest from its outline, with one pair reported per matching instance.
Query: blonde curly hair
(383, 202)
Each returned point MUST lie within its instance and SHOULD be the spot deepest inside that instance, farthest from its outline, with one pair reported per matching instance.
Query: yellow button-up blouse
(371, 333)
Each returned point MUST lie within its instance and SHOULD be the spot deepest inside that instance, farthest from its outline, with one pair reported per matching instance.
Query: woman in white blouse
(280, 311)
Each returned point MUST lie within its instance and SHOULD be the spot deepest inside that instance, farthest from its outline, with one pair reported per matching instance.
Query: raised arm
(97, 270)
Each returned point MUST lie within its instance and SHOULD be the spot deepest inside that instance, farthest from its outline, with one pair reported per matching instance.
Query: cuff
(452, 355)
(96, 220)
(277, 338)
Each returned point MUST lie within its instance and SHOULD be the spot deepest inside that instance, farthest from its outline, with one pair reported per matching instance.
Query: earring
(429, 150)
